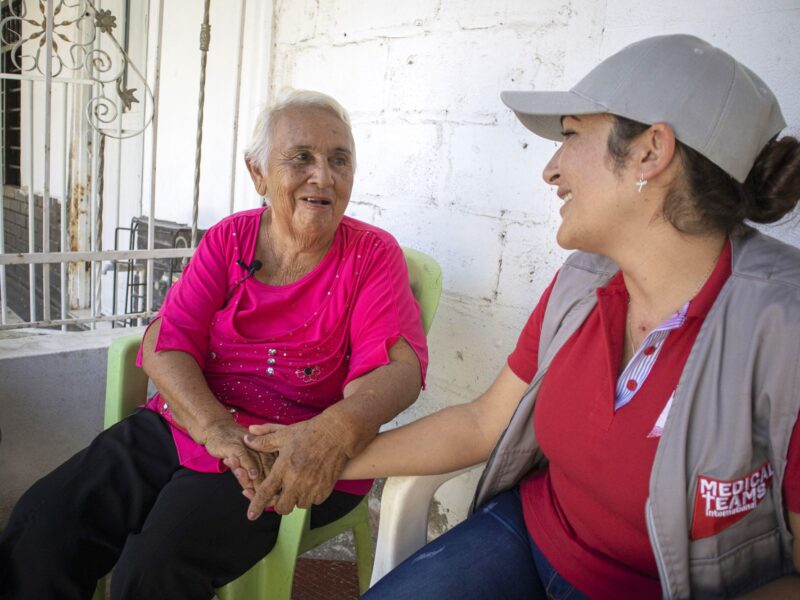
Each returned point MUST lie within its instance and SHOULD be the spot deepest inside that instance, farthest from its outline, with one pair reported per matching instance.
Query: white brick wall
(445, 166)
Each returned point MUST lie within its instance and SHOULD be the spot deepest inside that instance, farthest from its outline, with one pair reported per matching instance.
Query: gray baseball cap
(714, 104)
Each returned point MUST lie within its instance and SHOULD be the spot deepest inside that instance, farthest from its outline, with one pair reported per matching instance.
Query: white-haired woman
(292, 314)
(642, 440)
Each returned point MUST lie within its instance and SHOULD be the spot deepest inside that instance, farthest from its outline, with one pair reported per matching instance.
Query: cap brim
(541, 112)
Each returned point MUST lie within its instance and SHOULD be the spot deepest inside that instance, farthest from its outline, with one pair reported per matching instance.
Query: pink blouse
(282, 354)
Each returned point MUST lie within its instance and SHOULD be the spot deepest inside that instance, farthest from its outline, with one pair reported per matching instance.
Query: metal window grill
(64, 60)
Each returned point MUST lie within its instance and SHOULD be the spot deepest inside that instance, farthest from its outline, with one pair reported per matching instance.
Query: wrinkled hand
(225, 440)
(311, 456)
(247, 478)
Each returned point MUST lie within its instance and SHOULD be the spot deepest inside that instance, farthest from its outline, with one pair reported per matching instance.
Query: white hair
(257, 151)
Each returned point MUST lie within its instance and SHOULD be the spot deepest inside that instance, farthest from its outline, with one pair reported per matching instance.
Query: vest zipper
(662, 569)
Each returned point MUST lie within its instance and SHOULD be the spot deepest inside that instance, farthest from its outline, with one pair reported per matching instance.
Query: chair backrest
(425, 278)
(126, 385)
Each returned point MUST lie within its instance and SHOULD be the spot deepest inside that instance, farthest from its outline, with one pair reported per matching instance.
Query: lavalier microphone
(250, 270)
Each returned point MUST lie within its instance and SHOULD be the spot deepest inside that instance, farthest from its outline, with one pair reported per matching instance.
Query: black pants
(125, 502)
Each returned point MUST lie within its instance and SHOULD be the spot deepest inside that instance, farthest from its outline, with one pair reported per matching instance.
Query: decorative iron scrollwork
(84, 50)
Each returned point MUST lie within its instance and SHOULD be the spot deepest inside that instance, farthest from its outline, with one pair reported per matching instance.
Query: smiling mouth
(567, 198)
(315, 201)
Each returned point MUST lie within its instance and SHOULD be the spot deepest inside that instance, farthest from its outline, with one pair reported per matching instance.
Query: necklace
(694, 293)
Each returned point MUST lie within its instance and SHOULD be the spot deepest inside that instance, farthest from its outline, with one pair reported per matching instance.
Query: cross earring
(641, 183)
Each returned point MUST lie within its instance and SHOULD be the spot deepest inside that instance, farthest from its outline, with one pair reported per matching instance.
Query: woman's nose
(551, 171)
(321, 174)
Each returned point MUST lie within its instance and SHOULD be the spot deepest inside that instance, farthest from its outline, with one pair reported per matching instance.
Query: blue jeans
(490, 555)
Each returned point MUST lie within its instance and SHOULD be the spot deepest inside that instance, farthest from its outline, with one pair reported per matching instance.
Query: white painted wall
(447, 168)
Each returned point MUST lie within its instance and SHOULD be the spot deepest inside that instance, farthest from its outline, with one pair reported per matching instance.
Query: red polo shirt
(586, 510)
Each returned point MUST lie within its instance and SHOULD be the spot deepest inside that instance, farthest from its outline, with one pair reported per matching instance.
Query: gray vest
(734, 409)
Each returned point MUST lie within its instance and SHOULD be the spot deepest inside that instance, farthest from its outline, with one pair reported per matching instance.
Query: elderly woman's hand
(311, 455)
(243, 476)
(225, 440)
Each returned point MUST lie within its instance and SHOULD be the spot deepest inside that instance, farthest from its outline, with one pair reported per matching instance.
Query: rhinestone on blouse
(272, 352)
(270, 371)
(270, 361)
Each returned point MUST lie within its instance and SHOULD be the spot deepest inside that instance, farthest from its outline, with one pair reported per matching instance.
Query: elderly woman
(642, 440)
(291, 314)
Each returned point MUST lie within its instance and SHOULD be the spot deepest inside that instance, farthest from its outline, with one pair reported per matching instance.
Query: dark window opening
(10, 94)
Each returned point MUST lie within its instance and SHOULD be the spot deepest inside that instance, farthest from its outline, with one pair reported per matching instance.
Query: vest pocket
(743, 568)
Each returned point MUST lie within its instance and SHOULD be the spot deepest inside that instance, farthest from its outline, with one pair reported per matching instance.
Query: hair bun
(773, 184)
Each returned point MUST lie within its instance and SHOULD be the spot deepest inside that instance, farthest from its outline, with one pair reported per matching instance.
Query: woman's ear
(259, 180)
(656, 151)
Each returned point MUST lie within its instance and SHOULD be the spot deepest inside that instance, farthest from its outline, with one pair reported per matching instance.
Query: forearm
(182, 385)
(453, 438)
(374, 399)
(439, 443)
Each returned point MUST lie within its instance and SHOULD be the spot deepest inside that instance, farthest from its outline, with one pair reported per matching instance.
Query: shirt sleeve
(791, 478)
(192, 302)
(525, 357)
(384, 311)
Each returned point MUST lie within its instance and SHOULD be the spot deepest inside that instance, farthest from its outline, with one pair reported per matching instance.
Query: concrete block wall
(446, 167)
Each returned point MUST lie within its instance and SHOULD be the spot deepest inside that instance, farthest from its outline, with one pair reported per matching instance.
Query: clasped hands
(282, 466)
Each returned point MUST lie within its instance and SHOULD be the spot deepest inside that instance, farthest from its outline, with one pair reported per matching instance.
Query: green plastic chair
(272, 576)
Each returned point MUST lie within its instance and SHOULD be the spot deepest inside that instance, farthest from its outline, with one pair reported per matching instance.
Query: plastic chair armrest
(405, 504)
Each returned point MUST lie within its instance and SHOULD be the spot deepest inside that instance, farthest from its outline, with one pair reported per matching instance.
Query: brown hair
(708, 199)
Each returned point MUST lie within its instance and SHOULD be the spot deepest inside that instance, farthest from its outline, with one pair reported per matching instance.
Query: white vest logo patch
(720, 503)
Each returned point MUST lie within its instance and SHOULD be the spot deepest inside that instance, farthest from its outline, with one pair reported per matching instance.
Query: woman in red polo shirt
(654, 450)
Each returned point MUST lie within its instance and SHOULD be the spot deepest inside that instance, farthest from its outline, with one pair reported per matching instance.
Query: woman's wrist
(353, 433)
(205, 432)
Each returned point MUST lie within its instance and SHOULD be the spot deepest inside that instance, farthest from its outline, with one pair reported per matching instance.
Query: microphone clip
(250, 269)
